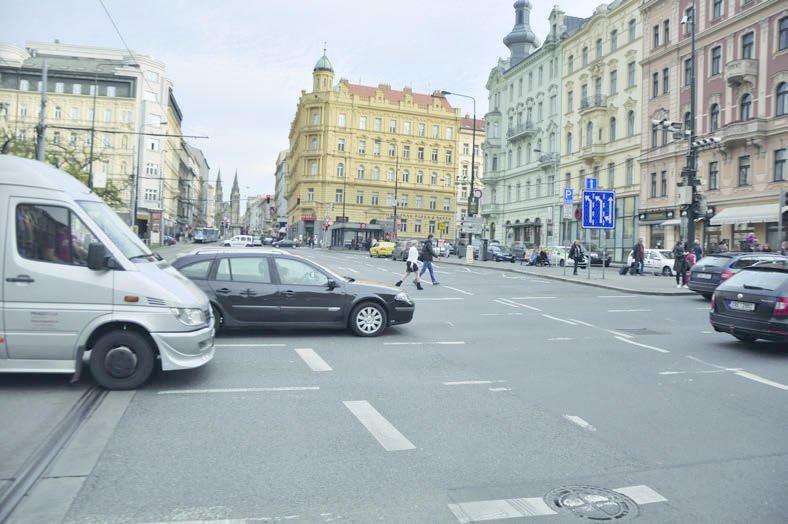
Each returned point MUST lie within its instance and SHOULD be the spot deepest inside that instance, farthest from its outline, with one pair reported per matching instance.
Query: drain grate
(592, 503)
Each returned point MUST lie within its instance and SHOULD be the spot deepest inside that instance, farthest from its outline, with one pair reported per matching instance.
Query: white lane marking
(641, 494)
(498, 300)
(580, 422)
(499, 389)
(492, 314)
(450, 324)
(312, 359)
(616, 296)
(622, 339)
(513, 314)
(756, 378)
(627, 310)
(402, 343)
(438, 299)
(467, 382)
(235, 390)
(581, 322)
(250, 345)
(484, 510)
(559, 339)
(449, 342)
(705, 308)
(531, 298)
(384, 432)
(458, 290)
(619, 334)
(698, 372)
(512, 303)
(707, 332)
(559, 319)
(351, 269)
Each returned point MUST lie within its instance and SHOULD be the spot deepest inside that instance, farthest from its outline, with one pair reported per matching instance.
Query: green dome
(323, 64)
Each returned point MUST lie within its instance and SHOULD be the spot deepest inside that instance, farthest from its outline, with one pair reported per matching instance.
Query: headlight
(403, 297)
(190, 317)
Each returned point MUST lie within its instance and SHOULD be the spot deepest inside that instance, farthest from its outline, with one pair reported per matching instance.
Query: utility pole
(692, 153)
(396, 204)
(42, 117)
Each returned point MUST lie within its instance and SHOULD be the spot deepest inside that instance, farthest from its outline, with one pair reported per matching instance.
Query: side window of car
(197, 270)
(295, 272)
(250, 269)
(52, 234)
(223, 272)
(744, 262)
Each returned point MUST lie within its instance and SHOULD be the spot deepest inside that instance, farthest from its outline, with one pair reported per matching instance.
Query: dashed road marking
(458, 290)
(619, 334)
(627, 310)
(495, 390)
(581, 322)
(235, 390)
(580, 422)
(512, 303)
(384, 431)
(531, 298)
(560, 339)
(622, 339)
(467, 382)
(312, 359)
(756, 378)
(251, 345)
(559, 319)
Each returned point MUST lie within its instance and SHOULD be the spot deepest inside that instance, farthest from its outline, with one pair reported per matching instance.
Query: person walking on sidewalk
(576, 254)
(427, 256)
(412, 266)
(697, 250)
(639, 256)
(680, 264)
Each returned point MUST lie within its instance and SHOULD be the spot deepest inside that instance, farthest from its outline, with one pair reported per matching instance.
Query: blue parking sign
(569, 195)
(599, 209)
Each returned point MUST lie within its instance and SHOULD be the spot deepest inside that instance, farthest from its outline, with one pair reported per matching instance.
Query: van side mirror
(97, 256)
(332, 284)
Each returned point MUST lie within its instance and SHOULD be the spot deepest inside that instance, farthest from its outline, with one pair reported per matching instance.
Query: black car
(753, 303)
(499, 253)
(286, 242)
(710, 271)
(277, 289)
(596, 254)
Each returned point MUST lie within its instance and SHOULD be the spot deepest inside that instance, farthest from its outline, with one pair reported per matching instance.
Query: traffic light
(783, 199)
(298, 199)
(267, 199)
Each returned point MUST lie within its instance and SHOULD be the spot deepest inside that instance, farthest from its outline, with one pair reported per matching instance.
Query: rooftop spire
(521, 41)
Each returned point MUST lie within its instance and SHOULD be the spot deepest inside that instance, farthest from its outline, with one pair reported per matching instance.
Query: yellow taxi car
(381, 249)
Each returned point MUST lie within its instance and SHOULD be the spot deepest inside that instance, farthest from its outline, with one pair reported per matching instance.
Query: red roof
(466, 122)
(393, 94)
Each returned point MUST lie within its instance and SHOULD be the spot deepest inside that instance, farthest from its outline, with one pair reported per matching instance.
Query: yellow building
(364, 157)
(601, 117)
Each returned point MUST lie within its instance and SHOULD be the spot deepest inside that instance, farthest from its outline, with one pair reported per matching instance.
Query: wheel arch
(116, 325)
(371, 298)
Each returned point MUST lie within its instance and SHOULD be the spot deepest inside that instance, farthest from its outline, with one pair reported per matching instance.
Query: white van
(77, 282)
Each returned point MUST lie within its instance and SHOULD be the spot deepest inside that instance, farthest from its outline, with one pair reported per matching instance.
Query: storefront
(353, 234)
(745, 226)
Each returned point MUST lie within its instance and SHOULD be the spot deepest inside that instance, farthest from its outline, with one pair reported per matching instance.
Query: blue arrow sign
(591, 183)
(569, 195)
(599, 209)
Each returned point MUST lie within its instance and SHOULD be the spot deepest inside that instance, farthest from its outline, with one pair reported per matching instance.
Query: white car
(239, 241)
(657, 261)
(558, 255)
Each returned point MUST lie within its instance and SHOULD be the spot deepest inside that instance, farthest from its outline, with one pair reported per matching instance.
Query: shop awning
(741, 215)
(672, 222)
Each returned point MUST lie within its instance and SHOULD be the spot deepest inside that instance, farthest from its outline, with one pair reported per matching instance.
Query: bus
(204, 235)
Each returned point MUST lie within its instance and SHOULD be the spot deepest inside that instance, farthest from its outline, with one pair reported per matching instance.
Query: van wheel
(666, 272)
(368, 319)
(121, 360)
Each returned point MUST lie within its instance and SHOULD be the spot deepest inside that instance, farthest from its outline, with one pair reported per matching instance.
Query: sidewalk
(641, 285)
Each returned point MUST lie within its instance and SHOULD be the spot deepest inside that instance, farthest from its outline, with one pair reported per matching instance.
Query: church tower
(323, 75)
(521, 41)
(235, 202)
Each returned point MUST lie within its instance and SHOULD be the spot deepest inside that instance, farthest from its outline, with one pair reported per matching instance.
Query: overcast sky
(238, 66)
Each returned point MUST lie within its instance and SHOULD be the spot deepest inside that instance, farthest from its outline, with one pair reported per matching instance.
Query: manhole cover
(592, 503)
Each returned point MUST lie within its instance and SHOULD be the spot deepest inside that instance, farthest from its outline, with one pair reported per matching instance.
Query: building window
(434, 179)
(747, 45)
(631, 81)
(554, 105)
(714, 117)
(342, 121)
(716, 60)
(406, 176)
(687, 71)
(784, 33)
(613, 40)
(716, 9)
(569, 143)
(360, 197)
(406, 128)
(655, 85)
(746, 107)
(107, 141)
(713, 172)
(341, 144)
(375, 199)
(420, 177)
(448, 156)
(58, 113)
(24, 85)
(313, 143)
(362, 147)
(570, 62)
(76, 89)
(422, 129)
(666, 32)
(338, 196)
(376, 148)
(656, 36)
(108, 115)
(613, 82)
(403, 200)
(688, 123)
(663, 184)
(613, 129)
(653, 185)
(782, 99)
(390, 175)
(74, 113)
(780, 157)
(433, 202)
(432, 227)
(570, 101)
(360, 172)
(599, 48)
(449, 133)
(665, 81)
(611, 175)
(584, 54)
(127, 117)
(434, 155)
(589, 134)
(654, 134)
(313, 169)
(632, 30)
(446, 204)
(340, 169)
(494, 165)
(392, 126)
(744, 170)
(630, 172)
(378, 124)
(417, 204)
(392, 150)
(436, 131)
(539, 112)
(362, 122)
(73, 139)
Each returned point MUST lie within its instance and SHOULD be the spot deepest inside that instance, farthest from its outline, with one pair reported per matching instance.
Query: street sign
(569, 195)
(568, 211)
(591, 183)
(599, 209)
(477, 193)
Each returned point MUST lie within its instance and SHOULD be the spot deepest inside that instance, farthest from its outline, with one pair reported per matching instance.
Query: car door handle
(288, 293)
(223, 291)
(20, 278)
(248, 293)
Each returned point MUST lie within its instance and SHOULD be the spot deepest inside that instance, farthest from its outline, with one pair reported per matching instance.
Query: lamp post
(692, 153)
(471, 196)
(396, 202)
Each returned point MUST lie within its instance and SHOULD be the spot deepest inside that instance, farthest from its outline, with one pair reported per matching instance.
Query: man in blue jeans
(427, 255)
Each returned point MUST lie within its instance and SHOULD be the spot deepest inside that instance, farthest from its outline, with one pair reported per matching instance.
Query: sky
(239, 66)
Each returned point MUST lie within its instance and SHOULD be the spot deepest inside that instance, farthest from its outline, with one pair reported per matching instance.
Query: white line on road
(235, 390)
(498, 300)
(756, 378)
(619, 334)
(580, 422)
(467, 382)
(581, 322)
(627, 310)
(450, 324)
(559, 339)
(641, 494)
(351, 269)
(384, 432)
(530, 298)
(458, 290)
(402, 343)
(449, 342)
(559, 319)
(622, 339)
(312, 359)
(493, 314)
(704, 308)
(512, 303)
(499, 389)
(616, 296)
(438, 299)
(250, 345)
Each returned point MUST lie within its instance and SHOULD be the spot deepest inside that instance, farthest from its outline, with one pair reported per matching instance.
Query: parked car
(558, 256)
(239, 241)
(753, 303)
(520, 250)
(499, 253)
(78, 285)
(169, 240)
(657, 261)
(286, 242)
(278, 289)
(400, 249)
(258, 241)
(710, 271)
(382, 249)
(268, 241)
(595, 254)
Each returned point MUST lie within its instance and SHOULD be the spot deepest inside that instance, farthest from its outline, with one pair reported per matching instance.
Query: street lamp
(692, 154)
(471, 197)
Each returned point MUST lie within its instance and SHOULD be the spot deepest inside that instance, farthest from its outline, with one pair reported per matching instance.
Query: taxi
(381, 249)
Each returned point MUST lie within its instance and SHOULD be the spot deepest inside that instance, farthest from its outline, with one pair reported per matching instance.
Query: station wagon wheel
(121, 360)
(368, 319)
(666, 272)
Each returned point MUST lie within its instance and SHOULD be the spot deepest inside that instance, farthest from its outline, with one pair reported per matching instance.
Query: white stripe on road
(467, 382)
(484, 510)
(498, 300)
(616, 296)
(449, 342)
(580, 422)
(559, 339)
(250, 345)
(402, 343)
(235, 390)
(619, 334)
(756, 378)
(458, 290)
(312, 359)
(512, 303)
(384, 432)
(581, 322)
(622, 339)
(499, 389)
(559, 319)
(530, 298)
(627, 310)
(438, 299)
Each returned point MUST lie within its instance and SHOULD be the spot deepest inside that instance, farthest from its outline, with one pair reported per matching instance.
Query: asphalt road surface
(509, 398)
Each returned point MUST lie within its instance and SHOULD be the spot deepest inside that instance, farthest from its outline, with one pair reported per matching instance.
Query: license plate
(741, 306)
(706, 276)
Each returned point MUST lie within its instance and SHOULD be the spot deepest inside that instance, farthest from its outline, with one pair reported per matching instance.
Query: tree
(71, 158)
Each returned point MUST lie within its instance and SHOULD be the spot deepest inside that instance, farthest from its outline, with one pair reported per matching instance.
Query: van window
(52, 234)
(118, 232)
(198, 270)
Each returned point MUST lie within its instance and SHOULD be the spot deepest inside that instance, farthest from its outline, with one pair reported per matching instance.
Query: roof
(393, 94)
(574, 24)
(324, 64)
(19, 171)
(466, 122)
(78, 65)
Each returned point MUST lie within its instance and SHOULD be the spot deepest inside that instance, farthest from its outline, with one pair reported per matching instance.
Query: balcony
(743, 132)
(522, 130)
(592, 154)
(738, 72)
(593, 103)
(491, 209)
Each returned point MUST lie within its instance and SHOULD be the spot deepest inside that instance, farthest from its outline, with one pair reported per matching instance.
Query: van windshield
(120, 234)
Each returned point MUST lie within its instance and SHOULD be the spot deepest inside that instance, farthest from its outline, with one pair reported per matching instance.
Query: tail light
(781, 307)
(726, 274)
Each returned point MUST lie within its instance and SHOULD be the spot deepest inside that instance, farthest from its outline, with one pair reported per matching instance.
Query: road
(506, 395)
